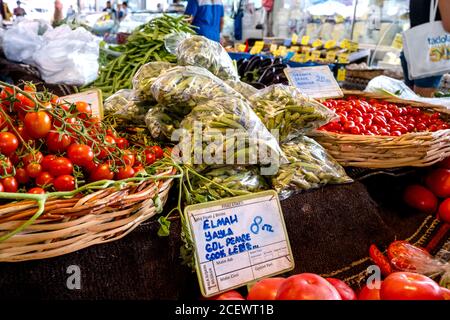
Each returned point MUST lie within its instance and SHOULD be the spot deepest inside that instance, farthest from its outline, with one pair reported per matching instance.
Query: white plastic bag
(23, 39)
(386, 85)
(68, 56)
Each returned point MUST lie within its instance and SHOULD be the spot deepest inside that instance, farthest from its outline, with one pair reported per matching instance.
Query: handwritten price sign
(238, 241)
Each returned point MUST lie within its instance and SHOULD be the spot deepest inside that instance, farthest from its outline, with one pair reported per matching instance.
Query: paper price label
(341, 74)
(238, 241)
(294, 48)
(299, 57)
(305, 40)
(317, 82)
(317, 43)
(315, 55)
(330, 44)
(241, 47)
(331, 56)
(343, 58)
(93, 97)
(257, 47)
(397, 43)
(294, 38)
(273, 48)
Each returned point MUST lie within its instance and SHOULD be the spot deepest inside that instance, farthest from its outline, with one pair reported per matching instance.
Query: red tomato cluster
(426, 198)
(47, 145)
(374, 117)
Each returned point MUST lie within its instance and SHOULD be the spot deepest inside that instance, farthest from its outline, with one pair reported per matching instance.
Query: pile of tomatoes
(374, 117)
(434, 195)
(49, 145)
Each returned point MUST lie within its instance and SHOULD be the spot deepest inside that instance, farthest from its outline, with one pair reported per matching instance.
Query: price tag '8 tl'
(238, 241)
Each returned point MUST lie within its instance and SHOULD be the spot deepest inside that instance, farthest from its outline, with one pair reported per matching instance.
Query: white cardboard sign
(238, 241)
(93, 97)
(316, 82)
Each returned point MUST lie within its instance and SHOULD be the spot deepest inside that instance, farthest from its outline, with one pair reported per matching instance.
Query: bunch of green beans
(285, 109)
(145, 44)
(310, 166)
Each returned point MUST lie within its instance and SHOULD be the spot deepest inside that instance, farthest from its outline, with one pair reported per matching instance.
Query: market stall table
(330, 231)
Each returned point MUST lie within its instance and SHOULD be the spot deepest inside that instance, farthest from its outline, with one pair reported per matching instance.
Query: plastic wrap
(161, 122)
(226, 130)
(243, 88)
(310, 166)
(135, 111)
(146, 75)
(223, 182)
(199, 51)
(285, 109)
(182, 88)
(117, 101)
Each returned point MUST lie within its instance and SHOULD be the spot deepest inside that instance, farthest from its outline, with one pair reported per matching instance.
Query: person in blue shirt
(207, 16)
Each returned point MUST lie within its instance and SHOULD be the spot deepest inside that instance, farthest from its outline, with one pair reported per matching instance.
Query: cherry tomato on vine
(64, 183)
(108, 147)
(58, 142)
(158, 151)
(24, 103)
(102, 172)
(37, 124)
(122, 143)
(10, 184)
(124, 173)
(22, 176)
(33, 169)
(46, 161)
(44, 179)
(8, 143)
(84, 109)
(35, 156)
(60, 166)
(36, 190)
(80, 154)
(6, 167)
(149, 158)
(129, 158)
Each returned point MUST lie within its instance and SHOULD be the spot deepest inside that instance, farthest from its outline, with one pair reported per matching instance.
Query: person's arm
(444, 9)
(191, 10)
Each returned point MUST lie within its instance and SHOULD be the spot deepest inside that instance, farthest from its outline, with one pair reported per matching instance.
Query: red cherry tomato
(36, 190)
(46, 161)
(64, 183)
(10, 184)
(410, 286)
(80, 154)
(369, 294)
(124, 173)
(8, 143)
(307, 286)
(420, 198)
(344, 290)
(149, 158)
(37, 124)
(444, 211)
(265, 289)
(102, 172)
(33, 157)
(438, 181)
(60, 166)
(122, 143)
(58, 142)
(22, 176)
(33, 169)
(84, 109)
(44, 179)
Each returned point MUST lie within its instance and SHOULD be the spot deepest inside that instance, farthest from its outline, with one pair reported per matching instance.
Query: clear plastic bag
(135, 111)
(144, 77)
(182, 88)
(310, 166)
(217, 183)
(243, 88)
(195, 50)
(117, 101)
(227, 131)
(285, 109)
(161, 122)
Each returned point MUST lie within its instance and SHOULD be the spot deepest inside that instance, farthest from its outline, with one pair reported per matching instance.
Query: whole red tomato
(122, 143)
(444, 211)
(369, 294)
(33, 169)
(84, 109)
(8, 143)
(10, 184)
(265, 289)
(150, 158)
(60, 166)
(102, 172)
(22, 176)
(124, 173)
(158, 151)
(229, 295)
(401, 254)
(58, 142)
(64, 183)
(438, 181)
(344, 290)
(46, 161)
(80, 154)
(34, 156)
(6, 167)
(307, 286)
(36, 190)
(409, 286)
(44, 179)
(37, 124)
(420, 198)
(128, 157)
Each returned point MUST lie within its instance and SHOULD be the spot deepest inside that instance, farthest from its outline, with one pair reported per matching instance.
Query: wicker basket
(413, 149)
(68, 225)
